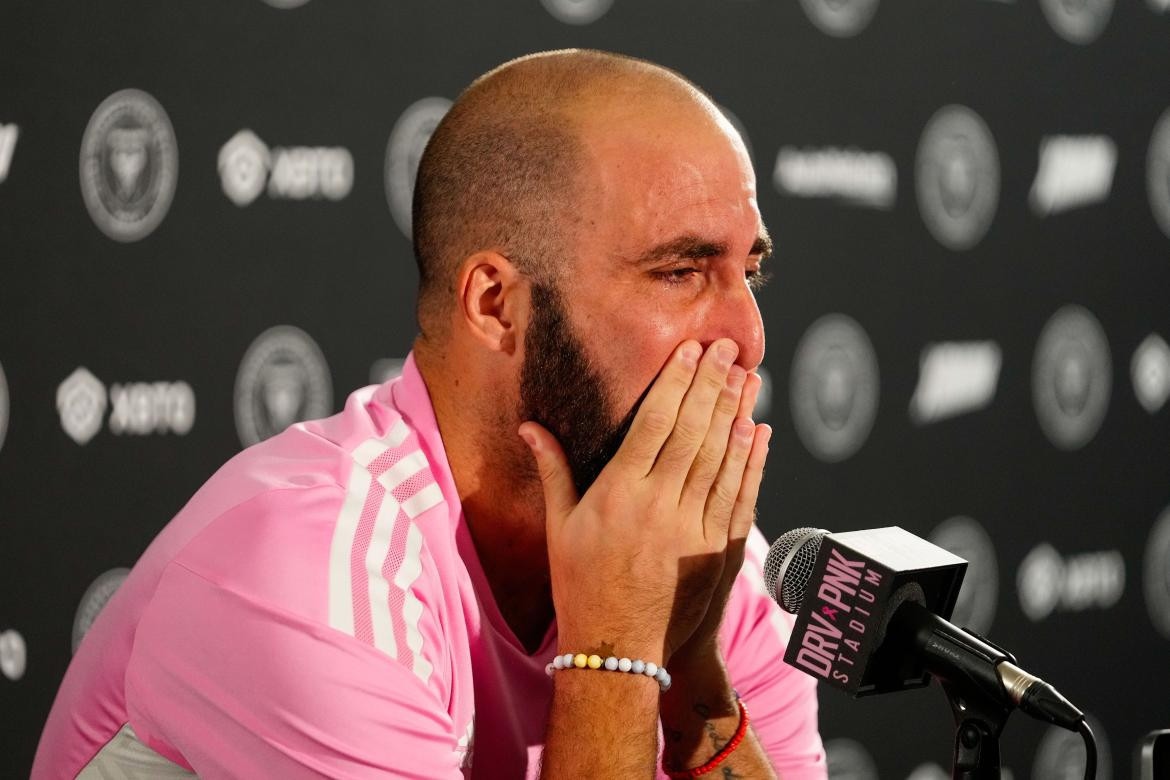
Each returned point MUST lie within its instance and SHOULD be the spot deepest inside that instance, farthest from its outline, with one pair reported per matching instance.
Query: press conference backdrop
(204, 220)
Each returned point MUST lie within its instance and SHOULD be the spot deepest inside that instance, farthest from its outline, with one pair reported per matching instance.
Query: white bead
(651, 669)
(661, 675)
(611, 663)
(666, 685)
(624, 664)
(559, 662)
(568, 659)
(638, 666)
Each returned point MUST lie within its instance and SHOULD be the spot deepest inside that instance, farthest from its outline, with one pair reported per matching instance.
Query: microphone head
(789, 565)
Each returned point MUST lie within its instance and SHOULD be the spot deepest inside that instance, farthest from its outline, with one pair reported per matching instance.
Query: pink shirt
(318, 609)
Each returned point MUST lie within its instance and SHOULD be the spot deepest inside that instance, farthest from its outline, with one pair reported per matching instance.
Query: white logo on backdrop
(577, 11)
(840, 18)
(4, 404)
(1074, 171)
(13, 654)
(955, 378)
(850, 175)
(81, 403)
(847, 759)
(385, 369)
(1061, 754)
(282, 379)
(1158, 172)
(957, 177)
(1072, 377)
(1156, 574)
(96, 596)
(1048, 581)
(966, 538)
(405, 148)
(834, 387)
(129, 165)
(932, 771)
(1077, 21)
(294, 173)
(1159, 6)
(8, 136)
(1150, 372)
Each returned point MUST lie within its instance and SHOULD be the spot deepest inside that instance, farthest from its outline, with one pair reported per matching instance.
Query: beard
(564, 391)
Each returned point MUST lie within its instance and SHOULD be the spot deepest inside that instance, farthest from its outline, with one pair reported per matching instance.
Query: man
(566, 465)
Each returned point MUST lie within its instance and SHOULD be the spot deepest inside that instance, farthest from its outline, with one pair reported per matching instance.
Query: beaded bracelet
(636, 666)
(740, 733)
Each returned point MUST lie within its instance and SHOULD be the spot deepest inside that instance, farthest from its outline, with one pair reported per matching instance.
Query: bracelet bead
(579, 660)
(611, 664)
(594, 662)
(651, 669)
(638, 666)
(625, 664)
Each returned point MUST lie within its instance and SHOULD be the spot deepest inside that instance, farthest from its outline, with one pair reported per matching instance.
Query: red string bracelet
(718, 758)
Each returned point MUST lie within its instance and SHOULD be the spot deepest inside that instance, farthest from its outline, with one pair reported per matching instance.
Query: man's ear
(493, 300)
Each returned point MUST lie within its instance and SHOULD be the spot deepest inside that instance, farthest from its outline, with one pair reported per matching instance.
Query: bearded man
(565, 474)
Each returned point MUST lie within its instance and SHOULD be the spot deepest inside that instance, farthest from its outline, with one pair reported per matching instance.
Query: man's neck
(500, 494)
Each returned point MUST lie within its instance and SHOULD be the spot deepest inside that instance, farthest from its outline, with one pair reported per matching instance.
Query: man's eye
(676, 275)
(757, 278)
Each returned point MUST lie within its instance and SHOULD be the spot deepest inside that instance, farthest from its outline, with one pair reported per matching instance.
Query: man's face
(668, 242)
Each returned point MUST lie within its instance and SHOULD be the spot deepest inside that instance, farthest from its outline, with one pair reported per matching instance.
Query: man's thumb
(560, 494)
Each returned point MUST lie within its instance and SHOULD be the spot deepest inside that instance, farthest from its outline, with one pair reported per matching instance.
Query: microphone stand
(979, 720)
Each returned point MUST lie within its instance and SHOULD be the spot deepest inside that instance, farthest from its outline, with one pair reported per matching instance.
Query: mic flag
(858, 580)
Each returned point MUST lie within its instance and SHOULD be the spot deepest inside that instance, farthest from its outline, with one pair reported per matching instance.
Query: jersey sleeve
(781, 700)
(235, 687)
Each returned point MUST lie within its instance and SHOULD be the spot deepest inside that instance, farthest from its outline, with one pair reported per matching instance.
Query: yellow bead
(579, 660)
(594, 662)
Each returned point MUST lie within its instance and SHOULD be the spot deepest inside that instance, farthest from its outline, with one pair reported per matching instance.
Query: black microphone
(868, 607)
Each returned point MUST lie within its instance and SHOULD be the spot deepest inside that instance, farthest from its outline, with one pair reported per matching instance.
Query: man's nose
(737, 317)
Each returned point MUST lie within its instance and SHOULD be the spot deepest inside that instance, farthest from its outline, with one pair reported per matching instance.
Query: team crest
(1072, 377)
(840, 18)
(408, 139)
(283, 379)
(577, 11)
(1077, 21)
(97, 595)
(957, 177)
(966, 538)
(1158, 172)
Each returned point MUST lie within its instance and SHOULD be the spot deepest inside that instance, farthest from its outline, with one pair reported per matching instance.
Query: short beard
(563, 390)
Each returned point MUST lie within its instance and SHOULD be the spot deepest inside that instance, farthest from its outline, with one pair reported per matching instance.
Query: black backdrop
(1043, 460)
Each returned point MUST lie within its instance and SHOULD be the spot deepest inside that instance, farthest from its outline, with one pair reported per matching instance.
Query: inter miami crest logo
(3, 407)
(966, 538)
(1158, 172)
(957, 177)
(834, 388)
(97, 595)
(1072, 376)
(840, 18)
(129, 165)
(407, 142)
(283, 379)
(577, 11)
(1077, 21)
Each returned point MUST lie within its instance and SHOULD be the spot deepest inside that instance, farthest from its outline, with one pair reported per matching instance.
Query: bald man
(563, 478)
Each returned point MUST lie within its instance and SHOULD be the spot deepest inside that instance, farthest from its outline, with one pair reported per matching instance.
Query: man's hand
(643, 559)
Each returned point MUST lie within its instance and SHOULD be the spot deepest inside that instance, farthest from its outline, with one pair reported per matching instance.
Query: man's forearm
(602, 725)
(699, 718)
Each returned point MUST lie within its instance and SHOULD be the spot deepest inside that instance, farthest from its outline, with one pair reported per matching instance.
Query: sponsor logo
(1074, 171)
(3, 407)
(1048, 581)
(850, 175)
(1156, 574)
(957, 177)
(8, 136)
(13, 654)
(1158, 172)
(1149, 370)
(1077, 21)
(138, 408)
(847, 759)
(840, 18)
(81, 402)
(129, 165)
(955, 378)
(96, 596)
(405, 148)
(834, 388)
(291, 173)
(385, 369)
(1072, 377)
(1061, 754)
(577, 11)
(966, 538)
(837, 627)
(282, 379)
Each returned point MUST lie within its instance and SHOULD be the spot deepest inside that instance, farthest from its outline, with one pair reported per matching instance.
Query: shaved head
(505, 169)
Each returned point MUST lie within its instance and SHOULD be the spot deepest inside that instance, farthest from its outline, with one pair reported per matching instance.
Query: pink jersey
(318, 610)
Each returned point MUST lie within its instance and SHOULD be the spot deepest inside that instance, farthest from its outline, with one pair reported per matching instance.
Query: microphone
(870, 609)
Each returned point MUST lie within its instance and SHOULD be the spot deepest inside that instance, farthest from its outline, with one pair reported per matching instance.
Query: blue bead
(611, 663)
(651, 669)
(624, 664)
(661, 675)
(638, 666)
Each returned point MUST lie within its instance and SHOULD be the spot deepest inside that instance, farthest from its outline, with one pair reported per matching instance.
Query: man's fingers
(744, 513)
(560, 494)
(725, 493)
(695, 414)
(710, 458)
(659, 410)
